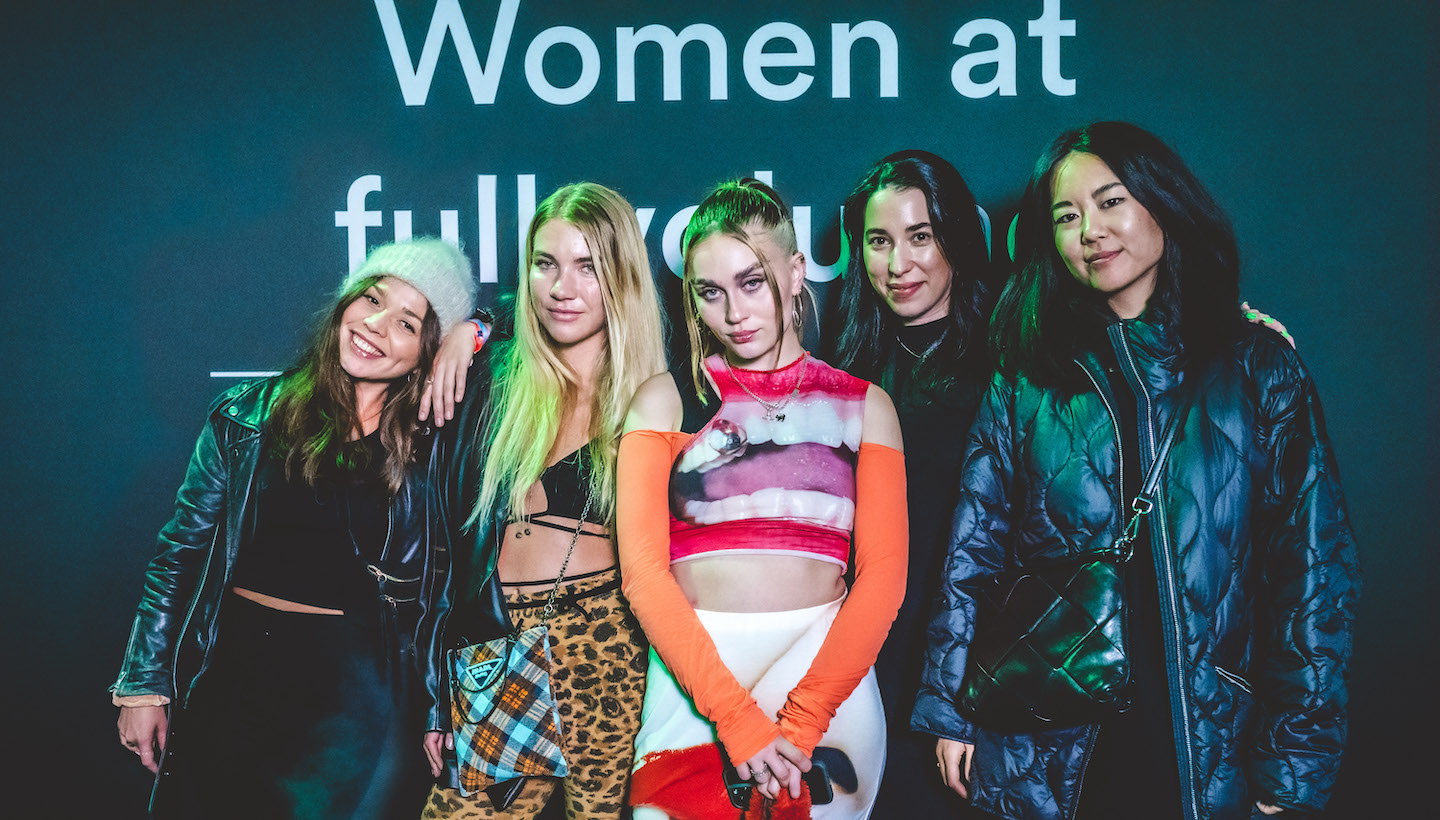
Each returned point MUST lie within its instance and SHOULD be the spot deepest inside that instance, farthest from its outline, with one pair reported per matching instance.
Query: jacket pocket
(1235, 680)
(1226, 790)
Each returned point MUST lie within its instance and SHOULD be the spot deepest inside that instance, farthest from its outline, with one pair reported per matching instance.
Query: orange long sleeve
(882, 540)
(669, 621)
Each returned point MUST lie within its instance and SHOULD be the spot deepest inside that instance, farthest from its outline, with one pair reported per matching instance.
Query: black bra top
(566, 484)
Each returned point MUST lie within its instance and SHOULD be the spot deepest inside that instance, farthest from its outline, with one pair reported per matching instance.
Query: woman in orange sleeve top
(748, 483)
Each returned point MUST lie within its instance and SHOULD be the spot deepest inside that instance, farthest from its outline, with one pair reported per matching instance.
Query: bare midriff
(536, 555)
(533, 552)
(758, 583)
(283, 605)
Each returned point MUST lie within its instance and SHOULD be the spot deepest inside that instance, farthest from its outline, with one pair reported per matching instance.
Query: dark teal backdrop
(177, 179)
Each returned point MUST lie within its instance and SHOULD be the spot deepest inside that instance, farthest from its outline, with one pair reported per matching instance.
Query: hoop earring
(795, 314)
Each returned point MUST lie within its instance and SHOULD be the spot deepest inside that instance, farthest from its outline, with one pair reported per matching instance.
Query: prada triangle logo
(486, 672)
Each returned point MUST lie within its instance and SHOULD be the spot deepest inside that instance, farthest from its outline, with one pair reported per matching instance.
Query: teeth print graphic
(814, 421)
(775, 502)
(798, 466)
(724, 442)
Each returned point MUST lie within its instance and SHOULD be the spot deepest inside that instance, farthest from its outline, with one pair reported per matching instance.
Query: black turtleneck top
(935, 412)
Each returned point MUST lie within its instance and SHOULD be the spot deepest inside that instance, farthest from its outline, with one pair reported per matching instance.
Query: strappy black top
(566, 483)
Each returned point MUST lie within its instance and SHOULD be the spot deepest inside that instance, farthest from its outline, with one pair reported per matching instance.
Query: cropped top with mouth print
(780, 465)
(759, 480)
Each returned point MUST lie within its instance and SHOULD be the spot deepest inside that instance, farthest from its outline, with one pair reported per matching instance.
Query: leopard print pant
(599, 657)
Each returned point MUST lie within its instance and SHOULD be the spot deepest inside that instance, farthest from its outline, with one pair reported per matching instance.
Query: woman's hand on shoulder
(777, 766)
(955, 758)
(446, 385)
(1260, 317)
(143, 730)
(881, 425)
(656, 405)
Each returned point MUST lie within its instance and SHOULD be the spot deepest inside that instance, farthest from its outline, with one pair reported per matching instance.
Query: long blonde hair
(738, 209)
(533, 384)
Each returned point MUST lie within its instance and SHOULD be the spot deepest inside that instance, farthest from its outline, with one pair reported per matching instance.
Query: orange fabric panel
(642, 529)
(882, 545)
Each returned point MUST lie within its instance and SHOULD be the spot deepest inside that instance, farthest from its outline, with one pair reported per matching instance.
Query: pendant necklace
(774, 410)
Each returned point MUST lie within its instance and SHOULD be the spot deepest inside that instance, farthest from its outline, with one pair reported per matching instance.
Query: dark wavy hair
(1044, 311)
(313, 422)
(867, 340)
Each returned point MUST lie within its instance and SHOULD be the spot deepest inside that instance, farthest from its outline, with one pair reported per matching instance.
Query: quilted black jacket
(175, 625)
(1254, 555)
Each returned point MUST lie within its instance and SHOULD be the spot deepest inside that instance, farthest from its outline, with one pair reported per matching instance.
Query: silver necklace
(907, 349)
(919, 357)
(773, 410)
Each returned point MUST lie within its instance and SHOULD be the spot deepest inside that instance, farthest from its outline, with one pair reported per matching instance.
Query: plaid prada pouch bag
(503, 710)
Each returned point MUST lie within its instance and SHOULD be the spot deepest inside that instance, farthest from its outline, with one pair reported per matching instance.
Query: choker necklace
(773, 409)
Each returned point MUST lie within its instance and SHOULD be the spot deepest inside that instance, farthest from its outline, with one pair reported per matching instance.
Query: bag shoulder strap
(1162, 452)
(1145, 501)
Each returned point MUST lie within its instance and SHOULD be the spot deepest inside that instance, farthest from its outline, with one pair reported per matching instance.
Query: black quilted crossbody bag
(1049, 648)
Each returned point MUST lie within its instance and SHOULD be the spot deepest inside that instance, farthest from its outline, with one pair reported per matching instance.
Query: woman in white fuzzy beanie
(270, 670)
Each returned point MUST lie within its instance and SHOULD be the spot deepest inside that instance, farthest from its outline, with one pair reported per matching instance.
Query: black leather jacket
(1255, 563)
(466, 602)
(175, 627)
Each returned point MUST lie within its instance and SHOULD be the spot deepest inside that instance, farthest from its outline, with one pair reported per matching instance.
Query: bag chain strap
(1144, 502)
(555, 591)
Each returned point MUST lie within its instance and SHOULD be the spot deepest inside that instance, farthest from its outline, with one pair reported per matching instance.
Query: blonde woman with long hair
(534, 483)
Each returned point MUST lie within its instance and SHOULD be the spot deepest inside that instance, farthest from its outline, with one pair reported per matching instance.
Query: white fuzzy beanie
(434, 267)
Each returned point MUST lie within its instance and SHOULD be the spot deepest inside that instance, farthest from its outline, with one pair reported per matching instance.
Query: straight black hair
(867, 340)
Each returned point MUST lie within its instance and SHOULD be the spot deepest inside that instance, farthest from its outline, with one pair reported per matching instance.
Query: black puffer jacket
(1254, 557)
(175, 626)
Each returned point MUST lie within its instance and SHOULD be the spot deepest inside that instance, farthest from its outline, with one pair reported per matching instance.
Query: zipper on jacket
(1120, 508)
(1119, 441)
(1158, 525)
(1091, 735)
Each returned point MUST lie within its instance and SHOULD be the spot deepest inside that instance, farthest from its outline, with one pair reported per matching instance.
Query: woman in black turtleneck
(914, 309)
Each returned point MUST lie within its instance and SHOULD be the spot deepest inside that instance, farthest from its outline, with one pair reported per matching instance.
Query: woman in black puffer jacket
(1243, 583)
